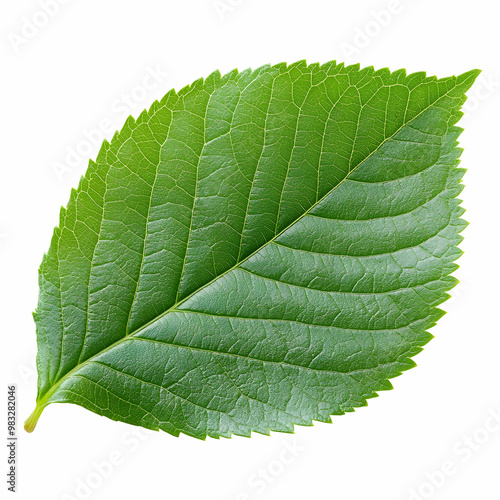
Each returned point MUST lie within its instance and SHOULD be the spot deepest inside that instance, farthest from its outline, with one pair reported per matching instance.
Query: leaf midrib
(44, 399)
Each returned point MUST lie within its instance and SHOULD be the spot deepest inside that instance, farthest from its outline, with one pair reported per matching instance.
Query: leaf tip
(466, 80)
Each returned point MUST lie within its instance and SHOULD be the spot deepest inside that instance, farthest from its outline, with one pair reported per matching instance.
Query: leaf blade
(223, 164)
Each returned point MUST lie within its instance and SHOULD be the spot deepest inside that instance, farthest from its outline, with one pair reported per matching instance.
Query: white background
(66, 79)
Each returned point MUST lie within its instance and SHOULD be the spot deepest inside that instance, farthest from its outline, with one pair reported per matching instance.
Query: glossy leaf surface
(257, 250)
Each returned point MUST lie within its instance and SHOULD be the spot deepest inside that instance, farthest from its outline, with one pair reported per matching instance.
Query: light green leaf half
(258, 250)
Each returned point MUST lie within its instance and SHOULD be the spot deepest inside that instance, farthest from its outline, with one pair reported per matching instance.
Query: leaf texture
(260, 249)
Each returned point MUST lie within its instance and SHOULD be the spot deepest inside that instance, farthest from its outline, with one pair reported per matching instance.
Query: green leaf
(258, 250)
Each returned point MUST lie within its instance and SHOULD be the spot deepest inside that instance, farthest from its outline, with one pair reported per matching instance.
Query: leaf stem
(31, 421)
